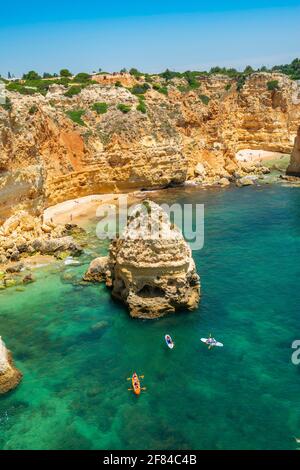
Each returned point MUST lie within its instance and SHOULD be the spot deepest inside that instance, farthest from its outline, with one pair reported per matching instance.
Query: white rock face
(200, 170)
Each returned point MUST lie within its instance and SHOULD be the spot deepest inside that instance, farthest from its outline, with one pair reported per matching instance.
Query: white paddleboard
(170, 345)
(214, 344)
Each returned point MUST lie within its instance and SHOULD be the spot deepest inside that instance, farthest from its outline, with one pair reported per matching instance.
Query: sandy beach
(81, 209)
(256, 156)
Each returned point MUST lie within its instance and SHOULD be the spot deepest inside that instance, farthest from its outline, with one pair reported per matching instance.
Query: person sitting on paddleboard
(211, 341)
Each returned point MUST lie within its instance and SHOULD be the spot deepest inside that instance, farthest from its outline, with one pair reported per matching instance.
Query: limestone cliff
(9, 375)
(150, 266)
(46, 157)
(294, 167)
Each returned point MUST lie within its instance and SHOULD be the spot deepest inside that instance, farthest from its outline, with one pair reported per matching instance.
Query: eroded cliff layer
(108, 139)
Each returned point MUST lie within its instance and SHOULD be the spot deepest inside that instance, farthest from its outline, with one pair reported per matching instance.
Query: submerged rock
(245, 181)
(28, 279)
(98, 270)
(150, 267)
(10, 377)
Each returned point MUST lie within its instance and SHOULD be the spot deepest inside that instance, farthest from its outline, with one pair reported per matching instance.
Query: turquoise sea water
(76, 346)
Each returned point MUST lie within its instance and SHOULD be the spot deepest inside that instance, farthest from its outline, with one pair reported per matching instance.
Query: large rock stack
(150, 266)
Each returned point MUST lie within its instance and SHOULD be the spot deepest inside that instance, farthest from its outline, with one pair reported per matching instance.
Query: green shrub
(160, 89)
(193, 83)
(65, 73)
(33, 86)
(134, 72)
(82, 77)
(41, 86)
(124, 108)
(248, 70)
(33, 109)
(240, 82)
(273, 85)
(74, 90)
(292, 69)
(61, 81)
(23, 89)
(233, 73)
(32, 75)
(13, 86)
(141, 106)
(27, 91)
(75, 115)
(228, 86)
(205, 99)
(7, 105)
(140, 89)
(100, 108)
(118, 84)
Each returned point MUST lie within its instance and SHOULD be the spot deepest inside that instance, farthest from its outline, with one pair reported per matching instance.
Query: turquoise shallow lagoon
(76, 346)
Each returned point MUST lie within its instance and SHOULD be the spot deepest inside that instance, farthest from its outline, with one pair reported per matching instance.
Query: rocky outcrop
(23, 235)
(150, 266)
(98, 270)
(294, 167)
(186, 134)
(10, 377)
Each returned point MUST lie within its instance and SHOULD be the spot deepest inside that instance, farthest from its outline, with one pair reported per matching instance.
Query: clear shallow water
(76, 346)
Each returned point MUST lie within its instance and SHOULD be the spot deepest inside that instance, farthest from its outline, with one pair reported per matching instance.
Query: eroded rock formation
(294, 167)
(10, 377)
(23, 234)
(46, 158)
(150, 266)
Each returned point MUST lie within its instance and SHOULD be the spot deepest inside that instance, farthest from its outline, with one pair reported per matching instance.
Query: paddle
(140, 376)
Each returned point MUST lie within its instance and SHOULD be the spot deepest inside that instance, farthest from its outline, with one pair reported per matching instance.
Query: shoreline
(258, 156)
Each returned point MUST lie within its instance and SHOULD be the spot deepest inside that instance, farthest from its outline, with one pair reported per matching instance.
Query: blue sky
(47, 36)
